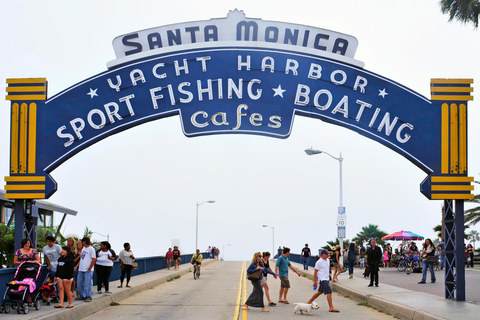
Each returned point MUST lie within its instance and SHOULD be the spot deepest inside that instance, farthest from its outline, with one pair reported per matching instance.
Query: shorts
(334, 264)
(169, 260)
(284, 282)
(263, 281)
(324, 287)
(197, 263)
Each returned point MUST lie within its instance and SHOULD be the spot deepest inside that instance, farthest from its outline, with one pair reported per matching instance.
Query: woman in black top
(64, 276)
(266, 265)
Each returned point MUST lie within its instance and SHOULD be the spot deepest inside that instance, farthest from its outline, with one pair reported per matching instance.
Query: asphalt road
(214, 296)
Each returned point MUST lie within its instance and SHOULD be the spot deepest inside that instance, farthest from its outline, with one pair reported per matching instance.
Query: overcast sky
(142, 185)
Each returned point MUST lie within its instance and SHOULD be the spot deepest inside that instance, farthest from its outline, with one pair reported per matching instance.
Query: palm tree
(368, 232)
(7, 245)
(332, 244)
(438, 229)
(474, 236)
(472, 216)
(465, 11)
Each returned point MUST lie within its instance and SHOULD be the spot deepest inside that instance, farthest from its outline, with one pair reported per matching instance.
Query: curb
(88, 308)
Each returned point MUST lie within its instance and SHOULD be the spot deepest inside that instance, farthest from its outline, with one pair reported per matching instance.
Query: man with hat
(322, 268)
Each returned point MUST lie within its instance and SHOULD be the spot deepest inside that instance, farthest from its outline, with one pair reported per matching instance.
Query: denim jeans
(442, 263)
(84, 284)
(351, 264)
(432, 272)
(305, 262)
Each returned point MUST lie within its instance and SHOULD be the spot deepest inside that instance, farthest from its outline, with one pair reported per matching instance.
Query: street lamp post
(341, 217)
(273, 237)
(196, 225)
(106, 236)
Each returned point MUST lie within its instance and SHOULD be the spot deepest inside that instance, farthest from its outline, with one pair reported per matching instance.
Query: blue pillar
(449, 239)
(19, 222)
(460, 249)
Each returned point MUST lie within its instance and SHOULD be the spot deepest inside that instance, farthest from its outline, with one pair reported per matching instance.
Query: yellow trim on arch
(26, 178)
(462, 145)
(25, 187)
(452, 81)
(451, 188)
(32, 138)
(14, 139)
(445, 127)
(452, 196)
(23, 138)
(27, 97)
(27, 89)
(452, 179)
(24, 195)
(453, 138)
(452, 98)
(451, 89)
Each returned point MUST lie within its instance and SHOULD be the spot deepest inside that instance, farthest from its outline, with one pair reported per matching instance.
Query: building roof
(42, 204)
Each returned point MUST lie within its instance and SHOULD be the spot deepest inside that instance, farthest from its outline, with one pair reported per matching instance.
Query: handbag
(255, 276)
(134, 265)
(431, 259)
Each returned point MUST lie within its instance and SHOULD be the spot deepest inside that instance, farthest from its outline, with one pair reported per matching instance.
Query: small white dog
(305, 307)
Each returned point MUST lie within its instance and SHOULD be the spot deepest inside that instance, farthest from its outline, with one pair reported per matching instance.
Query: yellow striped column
(24, 182)
(452, 183)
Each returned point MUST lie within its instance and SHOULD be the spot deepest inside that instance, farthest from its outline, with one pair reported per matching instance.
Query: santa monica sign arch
(241, 75)
(238, 75)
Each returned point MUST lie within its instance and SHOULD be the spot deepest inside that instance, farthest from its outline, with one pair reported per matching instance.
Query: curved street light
(312, 152)
(196, 225)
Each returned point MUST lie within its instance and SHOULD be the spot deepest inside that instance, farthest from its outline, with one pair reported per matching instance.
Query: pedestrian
(389, 250)
(169, 257)
(470, 253)
(374, 256)
(337, 268)
(64, 276)
(305, 256)
(352, 256)
(176, 257)
(266, 265)
(104, 265)
(126, 258)
(72, 244)
(51, 252)
(25, 253)
(322, 267)
(429, 259)
(281, 268)
(385, 257)
(76, 256)
(256, 297)
(279, 251)
(85, 267)
(441, 248)
(209, 252)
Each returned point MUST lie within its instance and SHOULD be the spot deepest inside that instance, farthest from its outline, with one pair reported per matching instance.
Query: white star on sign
(278, 91)
(92, 93)
(382, 93)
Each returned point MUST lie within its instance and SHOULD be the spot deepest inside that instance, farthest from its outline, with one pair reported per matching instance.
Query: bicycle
(407, 264)
(196, 273)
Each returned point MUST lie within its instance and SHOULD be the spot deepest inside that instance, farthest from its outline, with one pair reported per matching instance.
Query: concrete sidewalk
(83, 309)
(403, 303)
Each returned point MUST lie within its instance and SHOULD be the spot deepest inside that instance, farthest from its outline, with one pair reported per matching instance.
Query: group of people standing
(72, 265)
(213, 252)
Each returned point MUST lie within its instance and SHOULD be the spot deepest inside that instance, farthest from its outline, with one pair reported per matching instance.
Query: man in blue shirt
(281, 268)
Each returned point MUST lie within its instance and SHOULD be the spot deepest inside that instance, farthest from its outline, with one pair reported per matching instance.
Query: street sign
(341, 232)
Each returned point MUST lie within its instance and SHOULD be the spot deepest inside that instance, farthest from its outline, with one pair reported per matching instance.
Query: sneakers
(99, 292)
(108, 291)
(370, 285)
(88, 299)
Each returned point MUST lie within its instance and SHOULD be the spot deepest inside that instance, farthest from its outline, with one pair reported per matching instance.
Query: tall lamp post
(273, 237)
(341, 217)
(196, 225)
(224, 250)
(106, 236)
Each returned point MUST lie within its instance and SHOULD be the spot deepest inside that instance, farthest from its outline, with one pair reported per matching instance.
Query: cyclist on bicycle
(197, 260)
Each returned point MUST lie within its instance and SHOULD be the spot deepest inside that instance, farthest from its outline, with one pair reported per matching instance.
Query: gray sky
(142, 185)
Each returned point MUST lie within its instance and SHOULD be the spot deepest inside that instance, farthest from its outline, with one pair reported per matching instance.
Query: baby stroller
(22, 291)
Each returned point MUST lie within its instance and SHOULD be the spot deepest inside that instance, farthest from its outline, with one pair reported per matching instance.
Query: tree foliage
(369, 232)
(472, 216)
(465, 11)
